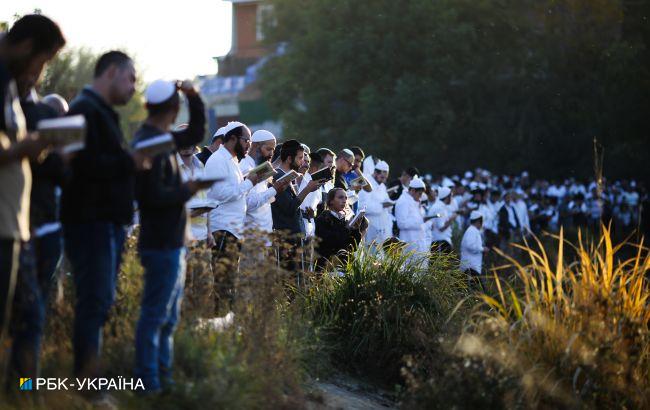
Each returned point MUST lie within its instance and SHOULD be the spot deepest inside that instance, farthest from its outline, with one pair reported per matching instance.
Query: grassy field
(562, 325)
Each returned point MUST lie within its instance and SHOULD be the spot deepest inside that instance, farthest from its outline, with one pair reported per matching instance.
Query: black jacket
(285, 210)
(160, 192)
(340, 182)
(101, 184)
(335, 236)
(46, 175)
(204, 155)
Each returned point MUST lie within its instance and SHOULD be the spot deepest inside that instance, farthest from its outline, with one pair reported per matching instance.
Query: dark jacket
(285, 210)
(335, 236)
(103, 173)
(160, 192)
(340, 181)
(204, 155)
(46, 175)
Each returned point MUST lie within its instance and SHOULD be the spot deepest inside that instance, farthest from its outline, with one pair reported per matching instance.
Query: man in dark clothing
(402, 182)
(344, 164)
(285, 209)
(24, 49)
(97, 204)
(161, 196)
(215, 143)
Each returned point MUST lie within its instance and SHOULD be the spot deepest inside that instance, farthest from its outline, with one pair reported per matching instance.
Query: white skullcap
(231, 126)
(348, 152)
(475, 215)
(262, 136)
(468, 174)
(443, 192)
(219, 133)
(159, 91)
(416, 183)
(382, 166)
(305, 148)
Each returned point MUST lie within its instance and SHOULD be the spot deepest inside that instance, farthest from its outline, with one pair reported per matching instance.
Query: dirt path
(349, 394)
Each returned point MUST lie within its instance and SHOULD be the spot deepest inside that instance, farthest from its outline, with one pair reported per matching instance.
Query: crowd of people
(326, 202)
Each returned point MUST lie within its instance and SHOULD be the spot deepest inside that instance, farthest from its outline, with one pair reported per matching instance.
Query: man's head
(115, 77)
(345, 161)
(292, 154)
(381, 172)
(444, 194)
(31, 42)
(237, 139)
(57, 103)
(328, 156)
(315, 162)
(162, 100)
(185, 152)
(416, 188)
(407, 175)
(359, 155)
(262, 146)
(476, 219)
(216, 140)
(306, 160)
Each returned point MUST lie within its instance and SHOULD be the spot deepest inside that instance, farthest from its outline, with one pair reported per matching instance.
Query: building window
(264, 17)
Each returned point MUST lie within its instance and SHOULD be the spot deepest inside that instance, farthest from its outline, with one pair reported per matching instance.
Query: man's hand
(188, 88)
(309, 213)
(314, 185)
(280, 186)
(196, 185)
(142, 162)
(253, 177)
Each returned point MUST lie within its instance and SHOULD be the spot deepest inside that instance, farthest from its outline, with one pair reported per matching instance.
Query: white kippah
(159, 91)
(262, 136)
(231, 126)
(443, 192)
(348, 152)
(416, 183)
(475, 215)
(382, 166)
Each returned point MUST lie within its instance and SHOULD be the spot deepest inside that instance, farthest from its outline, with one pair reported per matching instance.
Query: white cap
(443, 192)
(475, 215)
(262, 136)
(416, 183)
(348, 152)
(468, 174)
(159, 91)
(382, 166)
(305, 148)
(231, 126)
(218, 133)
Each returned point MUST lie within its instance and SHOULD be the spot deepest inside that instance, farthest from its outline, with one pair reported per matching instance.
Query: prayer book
(392, 189)
(290, 176)
(360, 181)
(356, 218)
(263, 171)
(68, 133)
(153, 146)
(323, 173)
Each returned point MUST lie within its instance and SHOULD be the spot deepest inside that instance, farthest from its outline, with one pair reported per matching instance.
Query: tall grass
(385, 306)
(570, 332)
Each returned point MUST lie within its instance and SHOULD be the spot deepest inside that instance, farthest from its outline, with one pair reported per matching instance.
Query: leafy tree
(452, 84)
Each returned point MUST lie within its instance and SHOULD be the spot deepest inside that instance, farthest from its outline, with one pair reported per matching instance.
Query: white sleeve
(472, 243)
(229, 189)
(404, 219)
(256, 199)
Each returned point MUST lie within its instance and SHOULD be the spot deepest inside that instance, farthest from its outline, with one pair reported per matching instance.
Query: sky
(168, 39)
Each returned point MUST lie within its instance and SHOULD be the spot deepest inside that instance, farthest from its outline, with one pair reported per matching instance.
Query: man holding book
(377, 205)
(24, 49)
(97, 203)
(227, 220)
(161, 196)
(258, 200)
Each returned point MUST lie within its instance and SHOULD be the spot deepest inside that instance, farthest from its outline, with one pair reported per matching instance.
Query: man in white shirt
(441, 227)
(192, 168)
(377, 204)
(522, 211)
(258, 200)
(409, 217)
(227, 220)
(310, 205)
(472, 250)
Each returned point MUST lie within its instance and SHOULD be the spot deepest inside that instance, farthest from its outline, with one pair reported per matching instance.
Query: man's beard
(295, 166)
(260, 159)
(239, 151)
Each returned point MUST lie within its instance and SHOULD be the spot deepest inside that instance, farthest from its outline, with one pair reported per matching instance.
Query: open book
(359, 181)
(356, 218)
(290, 176)
(323, 173)
(263, 171)
(153, 146)
(392, 189)
(198, 203)
(68, 133)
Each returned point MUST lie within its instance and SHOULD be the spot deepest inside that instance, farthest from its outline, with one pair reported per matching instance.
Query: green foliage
(452, 84)
(383, 308)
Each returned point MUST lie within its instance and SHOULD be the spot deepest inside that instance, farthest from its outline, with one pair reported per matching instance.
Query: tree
(452, 84)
